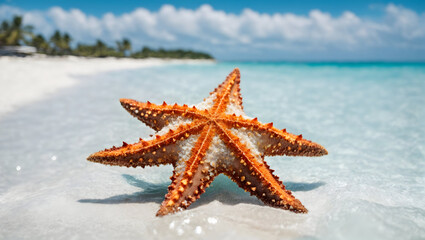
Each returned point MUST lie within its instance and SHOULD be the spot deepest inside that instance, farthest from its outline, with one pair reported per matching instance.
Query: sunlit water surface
(370, 117)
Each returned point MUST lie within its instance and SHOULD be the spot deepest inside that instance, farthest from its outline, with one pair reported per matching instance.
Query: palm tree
(14, 33)
(41, 44)
(124, 47)
(61, 43)
(66, 41)
(55, 40)
(3, 32)
(100, 49)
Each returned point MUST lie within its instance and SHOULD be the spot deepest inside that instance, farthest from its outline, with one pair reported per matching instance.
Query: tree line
(14, 33)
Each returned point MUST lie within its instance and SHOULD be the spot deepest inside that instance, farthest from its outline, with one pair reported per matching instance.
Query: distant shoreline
(27, 79)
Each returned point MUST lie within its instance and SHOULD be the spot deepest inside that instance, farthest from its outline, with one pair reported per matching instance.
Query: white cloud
(207, 28)
(405, 21)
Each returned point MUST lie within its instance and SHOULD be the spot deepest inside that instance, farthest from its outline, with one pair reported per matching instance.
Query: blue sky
(242, 30)
(99, 7)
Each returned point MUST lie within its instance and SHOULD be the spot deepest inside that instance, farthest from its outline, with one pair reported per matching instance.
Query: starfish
(208, 139)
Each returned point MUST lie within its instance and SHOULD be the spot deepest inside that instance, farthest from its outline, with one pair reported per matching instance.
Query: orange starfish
(206, 140)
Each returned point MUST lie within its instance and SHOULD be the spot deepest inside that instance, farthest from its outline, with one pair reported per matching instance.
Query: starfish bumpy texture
(210, 138)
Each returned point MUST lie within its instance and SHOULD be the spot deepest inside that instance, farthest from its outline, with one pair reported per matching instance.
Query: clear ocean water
(369, 116)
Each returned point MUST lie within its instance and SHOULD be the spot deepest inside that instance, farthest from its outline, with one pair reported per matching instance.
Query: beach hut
(17, 50)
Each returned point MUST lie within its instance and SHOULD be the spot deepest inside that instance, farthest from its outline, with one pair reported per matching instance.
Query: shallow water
(370, 186)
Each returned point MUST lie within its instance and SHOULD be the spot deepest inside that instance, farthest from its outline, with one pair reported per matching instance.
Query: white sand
(24, 80)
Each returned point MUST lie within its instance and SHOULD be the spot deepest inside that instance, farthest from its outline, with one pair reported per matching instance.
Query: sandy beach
(24, 80)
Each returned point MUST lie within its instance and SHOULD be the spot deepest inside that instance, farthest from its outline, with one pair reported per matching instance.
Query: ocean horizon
(368, 115)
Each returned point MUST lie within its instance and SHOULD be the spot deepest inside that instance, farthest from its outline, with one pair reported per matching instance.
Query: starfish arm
(272, 141)
(253, 180)
(183, 192)
(158, 116)
(188, 185)
(160, 150)
(228, 92)
(251, 173)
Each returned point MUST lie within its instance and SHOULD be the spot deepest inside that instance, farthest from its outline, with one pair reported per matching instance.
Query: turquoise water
(369, 116)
